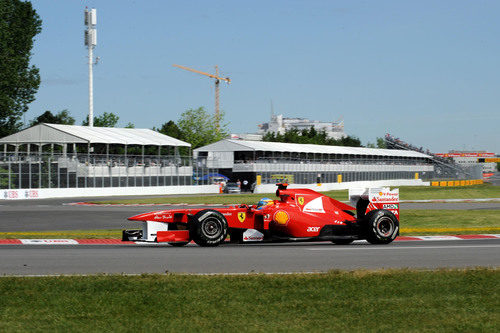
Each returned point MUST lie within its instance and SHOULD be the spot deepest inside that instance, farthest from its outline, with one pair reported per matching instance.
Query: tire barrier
(452, 183)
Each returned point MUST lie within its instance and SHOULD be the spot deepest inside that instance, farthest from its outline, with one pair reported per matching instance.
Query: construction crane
(217, 81)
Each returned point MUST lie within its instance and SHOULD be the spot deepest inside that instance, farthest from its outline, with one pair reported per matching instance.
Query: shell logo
(380, 193)
(281, 217)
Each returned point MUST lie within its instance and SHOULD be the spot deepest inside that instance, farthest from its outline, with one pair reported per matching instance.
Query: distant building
(466, 158)
(245, 136)
(279, 124)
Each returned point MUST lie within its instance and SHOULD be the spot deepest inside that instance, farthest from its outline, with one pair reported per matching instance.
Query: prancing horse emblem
(300, 200)
(242, 216)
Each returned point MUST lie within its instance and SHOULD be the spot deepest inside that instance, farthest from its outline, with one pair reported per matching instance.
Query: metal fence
(26, 171)
(50, 170)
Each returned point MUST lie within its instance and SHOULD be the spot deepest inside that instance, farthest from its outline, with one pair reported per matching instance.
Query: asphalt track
(255, 258)
(55, 214)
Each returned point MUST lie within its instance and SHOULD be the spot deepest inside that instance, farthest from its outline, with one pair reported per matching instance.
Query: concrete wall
(188, 189)
(45, 193)
(271, 188)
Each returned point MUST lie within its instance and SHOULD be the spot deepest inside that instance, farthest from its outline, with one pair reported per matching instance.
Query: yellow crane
(217, 81)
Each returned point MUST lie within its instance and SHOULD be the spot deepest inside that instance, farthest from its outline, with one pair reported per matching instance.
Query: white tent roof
(54, 133)
(242, 145)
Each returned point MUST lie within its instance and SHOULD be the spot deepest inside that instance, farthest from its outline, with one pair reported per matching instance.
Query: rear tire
(208, 228)
(381, 226)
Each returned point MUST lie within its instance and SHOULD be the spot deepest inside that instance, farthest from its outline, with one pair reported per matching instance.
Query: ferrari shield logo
(300, 200)
(242, 216)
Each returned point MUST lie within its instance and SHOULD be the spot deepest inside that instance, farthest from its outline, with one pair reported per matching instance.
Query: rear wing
(377, 198)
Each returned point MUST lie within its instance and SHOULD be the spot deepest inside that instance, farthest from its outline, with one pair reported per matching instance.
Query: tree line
(311, 136)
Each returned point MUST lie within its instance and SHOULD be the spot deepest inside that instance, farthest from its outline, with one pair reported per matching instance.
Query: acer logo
(312, 229)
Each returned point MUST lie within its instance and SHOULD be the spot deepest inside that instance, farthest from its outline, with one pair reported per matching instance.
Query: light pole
(91, 42)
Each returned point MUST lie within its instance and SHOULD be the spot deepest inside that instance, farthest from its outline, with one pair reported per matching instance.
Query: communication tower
(90, 20)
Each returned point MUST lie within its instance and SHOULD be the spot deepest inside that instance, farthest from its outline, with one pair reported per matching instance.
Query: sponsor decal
(163, 217)
(11, 194)
(281, 217)
(242, 216)
(49, 241)
(252, 235)
(31, 194)
(267, 217)
(314, 206)
(227, 214)
(395, 212)
(300, 200)
(390, 206)
(312, 229)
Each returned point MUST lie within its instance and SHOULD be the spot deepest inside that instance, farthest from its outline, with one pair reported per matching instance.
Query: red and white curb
(118, 241)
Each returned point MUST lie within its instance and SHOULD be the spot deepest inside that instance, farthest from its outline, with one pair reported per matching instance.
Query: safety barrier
(450, 183)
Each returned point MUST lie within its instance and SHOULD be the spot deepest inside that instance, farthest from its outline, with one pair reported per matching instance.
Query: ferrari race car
(298, 215)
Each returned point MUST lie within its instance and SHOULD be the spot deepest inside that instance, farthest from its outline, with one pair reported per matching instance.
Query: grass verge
(449, 222)
(337, 301)
(406, 193)
(66, 234)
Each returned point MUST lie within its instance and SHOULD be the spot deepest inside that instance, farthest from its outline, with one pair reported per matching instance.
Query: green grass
(464, 192)
(449, 222)
(359, 301)
(406, 193)
(65, 234)
(413, 222)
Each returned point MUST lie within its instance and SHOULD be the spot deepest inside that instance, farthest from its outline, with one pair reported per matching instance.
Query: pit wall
(46, 193)
(271, 188)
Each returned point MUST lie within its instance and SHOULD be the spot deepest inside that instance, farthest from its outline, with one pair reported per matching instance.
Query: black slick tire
(381, 226)
(208, 228)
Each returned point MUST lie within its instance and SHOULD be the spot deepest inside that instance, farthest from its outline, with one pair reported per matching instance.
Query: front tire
(381, 226)
(208, 228)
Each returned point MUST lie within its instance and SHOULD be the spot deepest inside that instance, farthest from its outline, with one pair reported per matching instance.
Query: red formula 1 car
(298, 215)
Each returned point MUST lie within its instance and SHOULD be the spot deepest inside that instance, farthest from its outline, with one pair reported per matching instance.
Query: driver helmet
(264, 202)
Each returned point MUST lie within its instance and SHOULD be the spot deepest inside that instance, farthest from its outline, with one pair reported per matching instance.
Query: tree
(62, 117)
(19, 24)
(199, 128)
(107, 119)
(130, 125)
(381, 143)
(311, 136)
(171, 129)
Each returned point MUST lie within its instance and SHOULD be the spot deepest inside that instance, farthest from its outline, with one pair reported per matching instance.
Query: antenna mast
(91, 42)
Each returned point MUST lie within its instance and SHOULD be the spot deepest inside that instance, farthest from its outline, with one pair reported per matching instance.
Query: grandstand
(271, 162)
(444, 167)
(67, 156)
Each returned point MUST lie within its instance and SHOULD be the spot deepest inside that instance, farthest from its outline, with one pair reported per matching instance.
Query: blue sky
(425, 71)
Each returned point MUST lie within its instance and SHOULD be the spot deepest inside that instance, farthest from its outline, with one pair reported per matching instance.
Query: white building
(279, 124)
